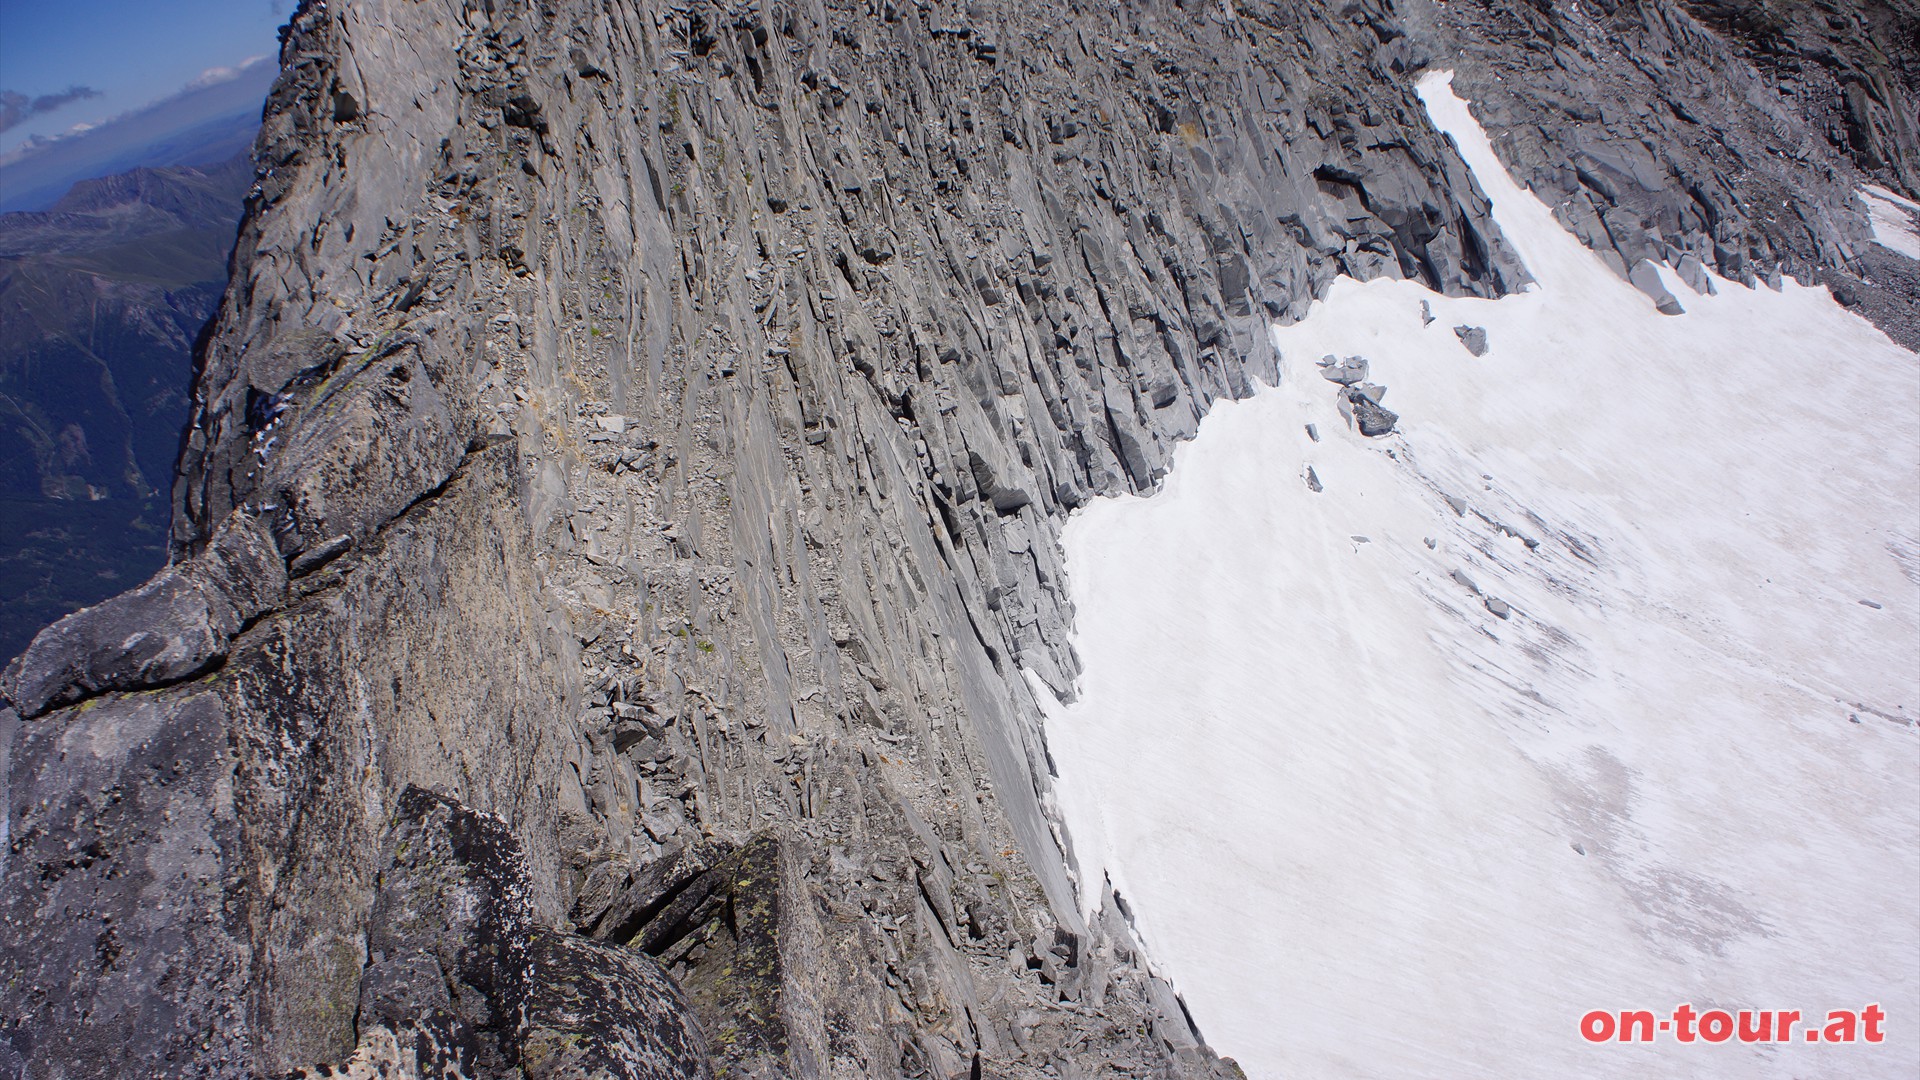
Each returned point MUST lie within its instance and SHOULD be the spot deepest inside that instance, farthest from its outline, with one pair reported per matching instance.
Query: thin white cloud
(214, 76)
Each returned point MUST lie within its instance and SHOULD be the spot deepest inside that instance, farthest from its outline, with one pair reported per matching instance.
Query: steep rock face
(665, 417)
(209, 852)
(1738, 133)
(462, 979)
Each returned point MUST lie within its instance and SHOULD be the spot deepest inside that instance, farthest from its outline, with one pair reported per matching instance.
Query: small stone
(584, 65)
(1432, 544)
(614, 424)
(659, 826)
(1426, 313)
(1499, 607)
(1871, 604)
(1460, 578)
(1313, 433)
(1313, 480)
(319, 555)
(1345, 372)
(1473, 337)
(521, 110)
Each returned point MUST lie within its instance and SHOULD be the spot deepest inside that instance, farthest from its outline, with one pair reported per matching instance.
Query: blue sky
(131, 52)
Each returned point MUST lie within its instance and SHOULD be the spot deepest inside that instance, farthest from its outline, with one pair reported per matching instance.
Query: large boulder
(1368, 415)
(462, 978)
(175, 626)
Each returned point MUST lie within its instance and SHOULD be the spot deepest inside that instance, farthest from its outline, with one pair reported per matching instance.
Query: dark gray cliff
(1735, 131)
(661, 419)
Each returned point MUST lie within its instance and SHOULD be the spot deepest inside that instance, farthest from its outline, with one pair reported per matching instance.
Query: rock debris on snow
(1366, 413)
(1344, 791)
(1473, 337)
(1346, 372)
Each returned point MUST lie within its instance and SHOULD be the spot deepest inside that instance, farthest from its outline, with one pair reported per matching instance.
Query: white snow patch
(1342, 798)
(1892, 218)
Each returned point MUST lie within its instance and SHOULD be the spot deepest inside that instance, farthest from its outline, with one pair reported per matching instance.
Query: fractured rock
(462, 975)
(1345, 372)
(1694, 273)
(1646, 278)
(1473, 337)
(1366, 413)
(176, 625)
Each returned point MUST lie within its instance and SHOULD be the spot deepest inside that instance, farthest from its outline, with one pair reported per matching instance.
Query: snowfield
(1370, 828)
(1892, 220)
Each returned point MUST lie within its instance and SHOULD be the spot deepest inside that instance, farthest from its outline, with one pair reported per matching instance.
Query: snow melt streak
(1369, 828)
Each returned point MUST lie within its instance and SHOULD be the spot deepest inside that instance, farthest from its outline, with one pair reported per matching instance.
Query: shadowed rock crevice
(461, 976)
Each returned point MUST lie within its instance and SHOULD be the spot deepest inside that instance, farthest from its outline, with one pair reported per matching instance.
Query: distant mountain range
(101, 299)
(200, 125)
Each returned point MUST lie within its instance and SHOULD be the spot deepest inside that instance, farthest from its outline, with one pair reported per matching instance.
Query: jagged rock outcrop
(462, 979)
(665, 416)
(1736, 133)
(176, 625)
(190, 870)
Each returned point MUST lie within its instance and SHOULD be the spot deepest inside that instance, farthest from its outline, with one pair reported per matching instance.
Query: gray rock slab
(1646, 278)
(1369, 416)
(1473, 337)
(1346, 372)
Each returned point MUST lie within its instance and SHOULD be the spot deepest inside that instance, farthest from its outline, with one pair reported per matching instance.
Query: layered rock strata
(1729, 134)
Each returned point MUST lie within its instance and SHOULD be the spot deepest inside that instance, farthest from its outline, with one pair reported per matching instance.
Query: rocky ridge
(658, 421)
(1736, 134)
